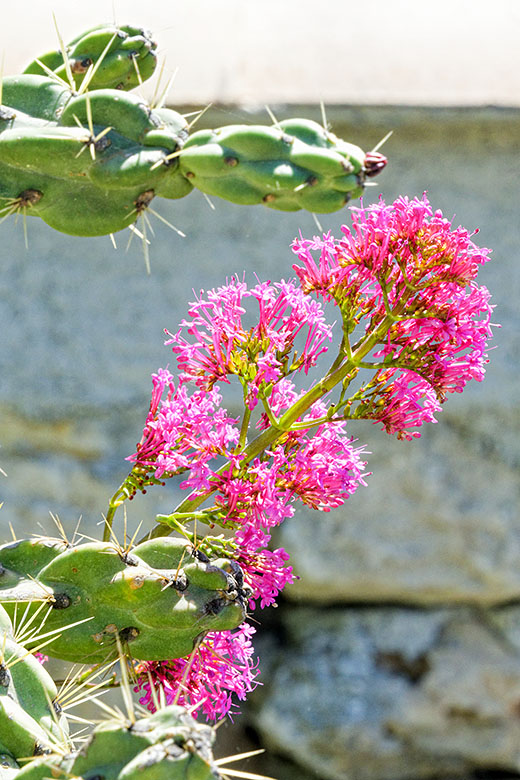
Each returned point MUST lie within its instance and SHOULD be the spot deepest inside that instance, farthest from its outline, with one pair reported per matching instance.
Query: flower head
(183, 431)
(221, 666)
(404, 280)
(221, 343)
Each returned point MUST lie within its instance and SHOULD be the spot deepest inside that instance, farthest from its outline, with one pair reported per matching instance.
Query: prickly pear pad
(158, 612)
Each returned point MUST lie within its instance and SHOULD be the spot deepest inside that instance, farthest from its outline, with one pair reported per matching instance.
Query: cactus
(168, 745)
(31, 722)
(137, 153)
(43, 171)
(156, 597)
(124, 56)
(295, 164)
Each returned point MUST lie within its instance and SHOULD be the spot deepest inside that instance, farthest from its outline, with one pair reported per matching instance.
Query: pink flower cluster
(316, 465)
(184, 432)
(221, 666)
(413, 315)
(222, 344)
(403, 273)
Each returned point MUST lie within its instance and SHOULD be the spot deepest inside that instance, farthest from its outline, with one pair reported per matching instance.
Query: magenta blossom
(266, 571)
(404, 281)
(317, 465)
(220, 668)
(222, 343)
(183, 432)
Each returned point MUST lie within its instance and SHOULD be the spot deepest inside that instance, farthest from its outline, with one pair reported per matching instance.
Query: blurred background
(396, 655)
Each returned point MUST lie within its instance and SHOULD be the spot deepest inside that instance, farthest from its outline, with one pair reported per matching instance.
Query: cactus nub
(128, 58)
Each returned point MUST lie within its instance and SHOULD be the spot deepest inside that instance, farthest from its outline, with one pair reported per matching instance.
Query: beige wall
(448, 52)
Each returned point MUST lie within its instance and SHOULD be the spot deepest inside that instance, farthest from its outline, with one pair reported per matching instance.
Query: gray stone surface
(392, 693)
(438, 522)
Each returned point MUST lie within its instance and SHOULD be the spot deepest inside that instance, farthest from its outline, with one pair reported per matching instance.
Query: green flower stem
(244, 428)
(343, 372)
(117, 499)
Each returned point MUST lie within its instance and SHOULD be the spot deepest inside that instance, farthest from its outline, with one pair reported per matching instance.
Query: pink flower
(222, 344)
(317, 465)
(265, 571)
(404, 403)
(402, 272)
(183, 432)
(221, 667)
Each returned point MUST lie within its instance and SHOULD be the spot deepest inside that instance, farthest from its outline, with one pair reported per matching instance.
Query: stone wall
(397, 653)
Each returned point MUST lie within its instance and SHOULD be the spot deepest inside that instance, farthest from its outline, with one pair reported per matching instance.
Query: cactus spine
(31, 722)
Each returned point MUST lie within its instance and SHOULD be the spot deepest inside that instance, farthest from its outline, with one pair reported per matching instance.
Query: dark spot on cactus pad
(312, 181)
(129, 559)
(57, 707)
(214, 606)
(102, 143)
(61, 601)
(180, 583)
(269, 197)
(129, 633)
(7, 113)
(95, 777)
(231, 161)
(29, 197)
(143, 201)
(5, 677)
(81, 66)
(237, 573)
(40, 750)
(198, 554)
(189, 175)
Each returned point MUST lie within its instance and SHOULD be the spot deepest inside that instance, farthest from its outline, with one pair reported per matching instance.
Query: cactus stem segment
(93, 68)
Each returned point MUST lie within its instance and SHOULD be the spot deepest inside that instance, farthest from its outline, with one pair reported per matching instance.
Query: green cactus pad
(169, 744)
(292, 165)
(158, 613)
(90, 164)
(129, 59)
(87, 181)
(30, 720)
